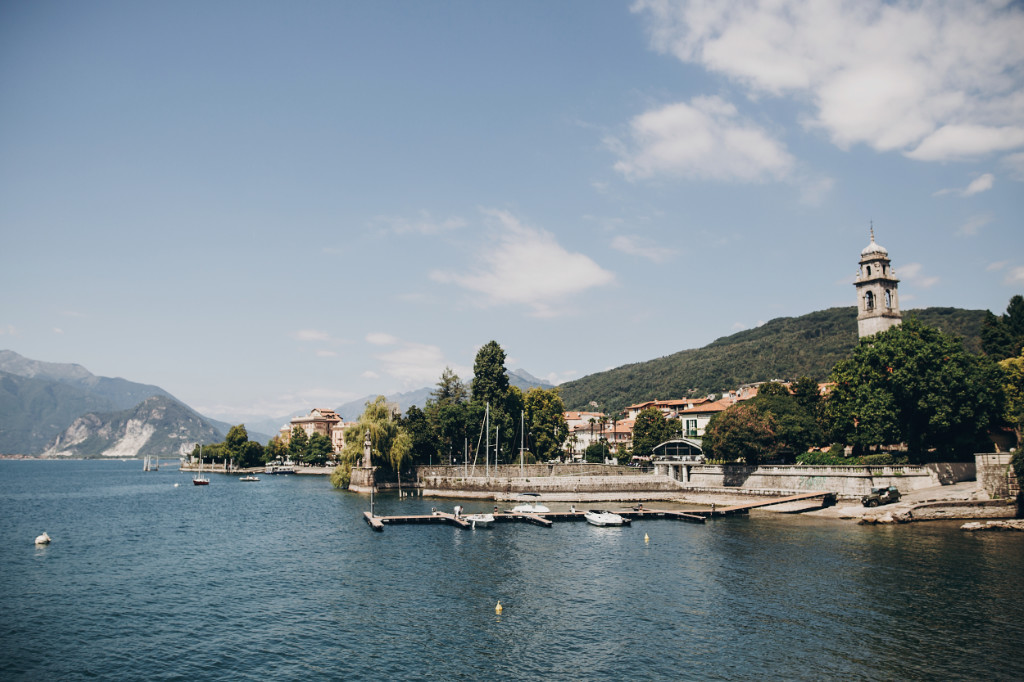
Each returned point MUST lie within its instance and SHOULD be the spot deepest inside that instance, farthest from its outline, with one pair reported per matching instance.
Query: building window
(869, 270)
(888, 298)
(869, 301)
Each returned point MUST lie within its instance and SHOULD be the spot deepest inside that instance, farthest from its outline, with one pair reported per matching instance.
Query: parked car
(879, 496)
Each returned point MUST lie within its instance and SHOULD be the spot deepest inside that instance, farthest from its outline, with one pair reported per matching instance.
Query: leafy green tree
(650, 429)
(391, 446)
(491, 387)
(1013, 386)
(424, 441)
(545, 419)
(319, 449)
(298, 445)
(597, 453)
(250, 454)
(741, 432)
(796, 428)
(448, 416)
(1002, 337)
(235, 440)
(275, 450)
(913, 384)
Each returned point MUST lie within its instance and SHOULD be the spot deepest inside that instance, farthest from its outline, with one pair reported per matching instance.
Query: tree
(650, 429)
(743, 431)
(1002, 337)
(390, 444)
(545, 419)
(796, 428)
(235, 441)
(491, 387)
(275, 450)
(597, 453)
(913, 384)
(1013, 386)
(250, 455)
(424, 448)
(319, 449)
(298, 444)
(447, 416)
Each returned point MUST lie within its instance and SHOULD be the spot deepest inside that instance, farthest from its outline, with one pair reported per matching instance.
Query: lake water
(282, 580)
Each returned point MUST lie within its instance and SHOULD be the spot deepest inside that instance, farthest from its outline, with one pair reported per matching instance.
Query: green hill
(784, 348)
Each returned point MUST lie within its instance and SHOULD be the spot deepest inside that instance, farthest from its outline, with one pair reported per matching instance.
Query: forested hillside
(784, 348)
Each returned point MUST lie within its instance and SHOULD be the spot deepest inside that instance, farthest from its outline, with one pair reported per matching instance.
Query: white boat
(483, 520)
(601, 517)
(250, 477)
(199, 479)
(530, 507)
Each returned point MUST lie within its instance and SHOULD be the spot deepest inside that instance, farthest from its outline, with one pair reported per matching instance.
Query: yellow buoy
(497, 609)
(646, 538)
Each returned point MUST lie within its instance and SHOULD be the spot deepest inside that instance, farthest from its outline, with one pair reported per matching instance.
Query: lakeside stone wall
(995, 475)
(598, 480)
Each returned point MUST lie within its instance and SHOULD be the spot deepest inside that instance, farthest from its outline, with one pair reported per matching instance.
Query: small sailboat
(199, 479)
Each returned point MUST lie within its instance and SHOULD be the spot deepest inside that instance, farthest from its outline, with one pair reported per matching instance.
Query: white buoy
(43, 539)
(498, 609)
(646, 538)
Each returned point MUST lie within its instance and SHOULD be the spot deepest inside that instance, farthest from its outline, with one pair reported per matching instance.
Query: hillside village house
(320, 420)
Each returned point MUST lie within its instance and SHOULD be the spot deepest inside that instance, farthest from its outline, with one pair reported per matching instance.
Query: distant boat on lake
(199, 479)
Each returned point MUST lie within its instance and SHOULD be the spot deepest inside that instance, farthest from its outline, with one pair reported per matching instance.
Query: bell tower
(878, 305)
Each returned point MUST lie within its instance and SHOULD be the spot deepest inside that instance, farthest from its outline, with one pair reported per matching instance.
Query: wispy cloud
(914, 273)
(1015, 277)
(705, 138)
(424, 223)
(526, 266)
(635, 245)
(415, 364)
(974, 225)
(381, 339)
(982, 183)
(310, 335)
(937, 81)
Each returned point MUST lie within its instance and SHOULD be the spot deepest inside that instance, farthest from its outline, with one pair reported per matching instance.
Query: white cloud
(424, 224)
(326, 354)
(980, 184)
(998, 265)
(416, 364)
(310, 335)
(292, 403)
(640, 246)
(58, 330)
(1015, 163)
(527, 266)
(705, 138)
(9, 330)
(936, 80)
(1015, 277)
(381, 339)
(974, 225)
(914, 273)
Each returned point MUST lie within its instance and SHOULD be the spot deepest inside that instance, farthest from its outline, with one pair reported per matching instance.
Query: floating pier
(547, 519)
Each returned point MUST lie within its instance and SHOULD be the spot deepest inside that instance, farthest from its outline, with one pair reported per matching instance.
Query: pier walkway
(546, 519)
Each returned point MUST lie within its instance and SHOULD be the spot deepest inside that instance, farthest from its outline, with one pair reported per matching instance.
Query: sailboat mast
(522, 438)
(487, 450)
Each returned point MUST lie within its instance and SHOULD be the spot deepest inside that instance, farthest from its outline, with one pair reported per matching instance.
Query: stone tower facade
(878, 306)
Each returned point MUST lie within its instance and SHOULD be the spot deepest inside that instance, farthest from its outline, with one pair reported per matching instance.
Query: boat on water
(532, 507)
(482, 520)
(199, 479)
(602, 517)
(250, 477)
(279, 469)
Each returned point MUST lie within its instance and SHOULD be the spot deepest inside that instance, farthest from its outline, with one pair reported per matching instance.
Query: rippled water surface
(282, 579)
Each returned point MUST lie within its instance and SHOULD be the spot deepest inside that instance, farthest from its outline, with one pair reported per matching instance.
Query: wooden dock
(547, 519)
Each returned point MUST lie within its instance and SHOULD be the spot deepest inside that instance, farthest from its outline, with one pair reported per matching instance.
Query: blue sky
(264, 206)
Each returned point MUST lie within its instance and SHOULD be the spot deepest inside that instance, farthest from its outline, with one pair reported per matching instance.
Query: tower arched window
(869, 270)
(869, 301)
(888, 298)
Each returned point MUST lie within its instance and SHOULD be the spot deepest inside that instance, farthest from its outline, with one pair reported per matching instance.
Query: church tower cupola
(877, 301)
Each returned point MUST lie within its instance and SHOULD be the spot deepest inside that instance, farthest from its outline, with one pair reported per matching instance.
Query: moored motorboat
(483, 520)
(530, 507)
(250, 477)
(602, 517)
